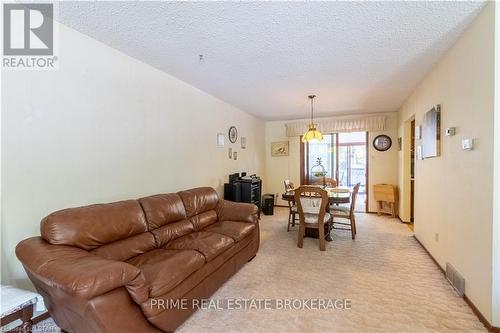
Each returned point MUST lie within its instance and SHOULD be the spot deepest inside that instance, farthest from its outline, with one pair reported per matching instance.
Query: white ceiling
(266, 57)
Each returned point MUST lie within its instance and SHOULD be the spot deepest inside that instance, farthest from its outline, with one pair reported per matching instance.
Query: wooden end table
(17, 304)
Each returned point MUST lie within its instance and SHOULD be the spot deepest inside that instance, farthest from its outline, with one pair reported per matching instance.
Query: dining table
(336, 196)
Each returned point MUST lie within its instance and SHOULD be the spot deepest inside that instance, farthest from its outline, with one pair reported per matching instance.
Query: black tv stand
(244, 189)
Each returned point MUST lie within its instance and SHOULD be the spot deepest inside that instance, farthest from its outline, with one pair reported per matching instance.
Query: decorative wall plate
(382, 142)
(233, 134)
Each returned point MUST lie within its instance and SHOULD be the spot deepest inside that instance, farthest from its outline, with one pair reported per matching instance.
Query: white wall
(107, 127)
(496, 181)
(382, 165)
(453, 192)
(279, 168)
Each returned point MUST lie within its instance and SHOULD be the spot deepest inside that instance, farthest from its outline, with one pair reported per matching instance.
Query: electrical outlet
(436, 237)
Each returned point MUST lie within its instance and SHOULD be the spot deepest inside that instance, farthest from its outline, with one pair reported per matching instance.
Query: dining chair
(292, 207)
(329, 182)
(346, 213)
(288, 185)
(311, 208)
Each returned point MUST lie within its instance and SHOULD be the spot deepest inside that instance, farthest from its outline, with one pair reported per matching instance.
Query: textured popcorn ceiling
(266, 57)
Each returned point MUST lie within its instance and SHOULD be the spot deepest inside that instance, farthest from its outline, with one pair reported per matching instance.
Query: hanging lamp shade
(312, 134)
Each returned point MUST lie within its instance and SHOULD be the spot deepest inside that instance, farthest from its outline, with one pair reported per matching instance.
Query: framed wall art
(280, 148)
(431, 138)
(220, 140)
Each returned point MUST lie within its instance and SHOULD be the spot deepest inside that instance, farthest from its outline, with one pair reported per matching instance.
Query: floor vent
(456, 280)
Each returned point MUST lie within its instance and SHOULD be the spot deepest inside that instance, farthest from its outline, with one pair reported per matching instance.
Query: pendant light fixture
(312, 134)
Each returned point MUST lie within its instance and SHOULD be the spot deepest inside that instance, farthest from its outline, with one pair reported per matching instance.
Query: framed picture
(280, 148)
(230, 153)
(243, 142)
(431, 138)
(220, 140)
(235, 155)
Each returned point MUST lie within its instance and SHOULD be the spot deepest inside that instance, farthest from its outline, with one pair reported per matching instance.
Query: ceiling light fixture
(312, 134)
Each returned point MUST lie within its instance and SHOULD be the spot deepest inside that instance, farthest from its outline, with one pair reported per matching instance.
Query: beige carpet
(392, 283)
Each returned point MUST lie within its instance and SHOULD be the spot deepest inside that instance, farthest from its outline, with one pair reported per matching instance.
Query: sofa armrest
(237, 211)
(77, 272)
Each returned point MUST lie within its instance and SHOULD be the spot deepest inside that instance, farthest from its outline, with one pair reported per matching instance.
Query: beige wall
(107, 127)
(282, 167)
(382, 165)
(496, 181)
(453, 192)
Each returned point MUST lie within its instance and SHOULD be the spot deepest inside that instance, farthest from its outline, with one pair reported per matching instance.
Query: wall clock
(382, 142)
(233, 134)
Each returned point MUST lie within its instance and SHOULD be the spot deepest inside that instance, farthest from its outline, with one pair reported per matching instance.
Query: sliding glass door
(344, 157)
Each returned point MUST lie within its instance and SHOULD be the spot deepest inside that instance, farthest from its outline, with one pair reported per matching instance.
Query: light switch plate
(450, 131)
(467, 144)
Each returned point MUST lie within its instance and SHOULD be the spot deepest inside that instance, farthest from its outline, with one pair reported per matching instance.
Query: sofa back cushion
(162, 209)
(166, 217)
(200, 204)
(91, 227)
(125, 249)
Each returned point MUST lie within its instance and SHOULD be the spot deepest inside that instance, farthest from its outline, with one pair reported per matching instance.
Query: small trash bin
(268, 204)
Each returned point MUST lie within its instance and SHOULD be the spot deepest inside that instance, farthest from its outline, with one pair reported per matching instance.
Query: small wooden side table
(17, 304)
(386, 195)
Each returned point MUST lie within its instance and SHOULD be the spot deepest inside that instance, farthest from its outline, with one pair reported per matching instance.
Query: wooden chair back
(288, 185)
(355, 191)
(311, 200)
(329, 182)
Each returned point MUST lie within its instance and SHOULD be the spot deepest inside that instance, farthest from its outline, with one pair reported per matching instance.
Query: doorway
(408, 165)
(353, 164)
(344, 158)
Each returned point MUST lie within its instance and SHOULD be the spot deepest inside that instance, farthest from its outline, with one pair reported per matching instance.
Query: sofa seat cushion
(205, 276)
(236, 230)
(207, 243)
(165, 269)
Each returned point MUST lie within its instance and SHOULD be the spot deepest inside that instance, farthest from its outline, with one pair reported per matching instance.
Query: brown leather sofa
(107, 267)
